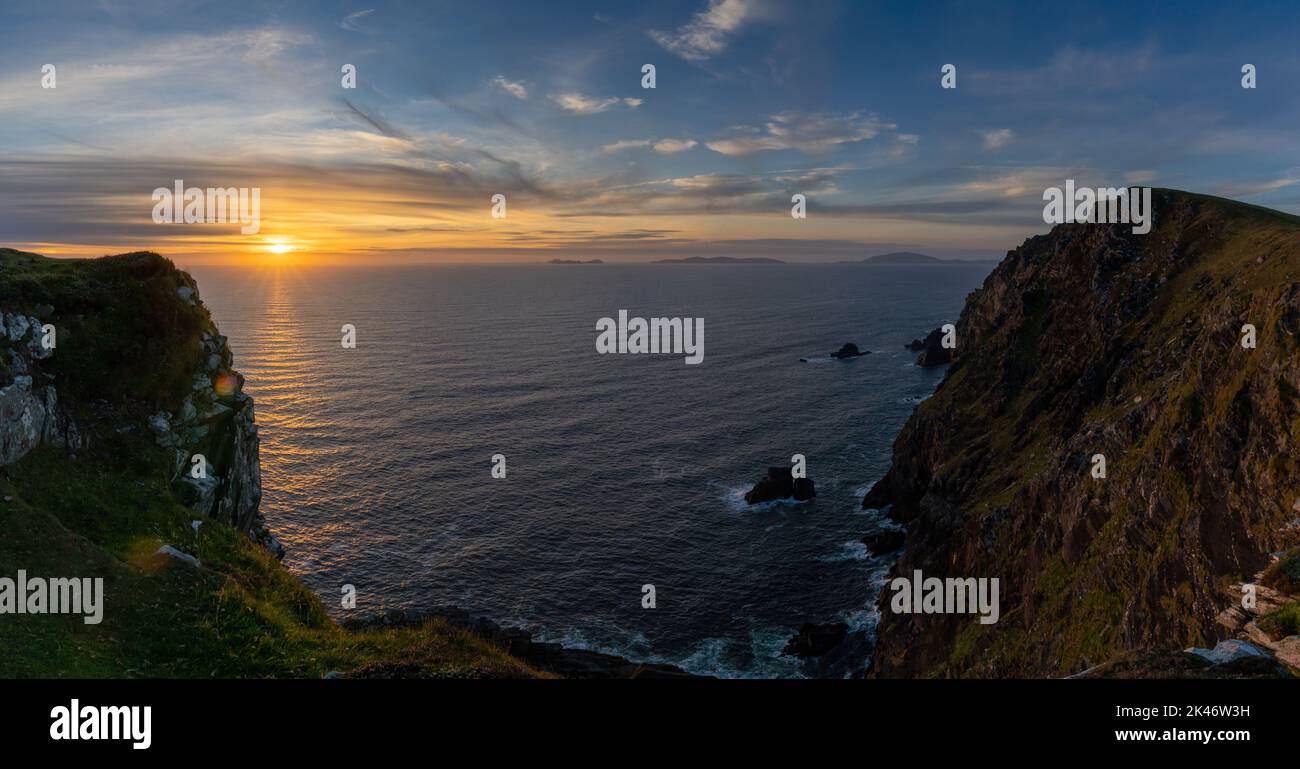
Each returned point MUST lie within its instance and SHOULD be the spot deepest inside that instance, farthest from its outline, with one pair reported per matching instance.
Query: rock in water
(815, 639)
(780, 483)
(848, 350)
(884, 541)
(933, 353)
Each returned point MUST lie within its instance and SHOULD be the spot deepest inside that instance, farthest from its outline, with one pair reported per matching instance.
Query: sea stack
(780, 483)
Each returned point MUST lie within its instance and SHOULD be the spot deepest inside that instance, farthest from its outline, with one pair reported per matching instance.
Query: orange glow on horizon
(279, 246)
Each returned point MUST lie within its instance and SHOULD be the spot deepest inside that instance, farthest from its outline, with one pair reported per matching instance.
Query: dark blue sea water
(623, 470)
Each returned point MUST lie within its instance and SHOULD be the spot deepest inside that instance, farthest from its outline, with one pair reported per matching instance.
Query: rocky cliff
(77, 370)
(113, 379)
(1092, 341)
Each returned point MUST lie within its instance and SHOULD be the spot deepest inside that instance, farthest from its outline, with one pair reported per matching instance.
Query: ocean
(621, 470)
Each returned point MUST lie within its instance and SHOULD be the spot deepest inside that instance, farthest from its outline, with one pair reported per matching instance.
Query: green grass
(1283, 622)
(123, 334)
(241, 615)
(1285, 573)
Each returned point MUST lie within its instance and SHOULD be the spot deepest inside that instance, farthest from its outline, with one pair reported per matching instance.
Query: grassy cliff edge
(130, 344)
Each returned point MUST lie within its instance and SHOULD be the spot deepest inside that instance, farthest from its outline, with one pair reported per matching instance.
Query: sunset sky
(756, 100)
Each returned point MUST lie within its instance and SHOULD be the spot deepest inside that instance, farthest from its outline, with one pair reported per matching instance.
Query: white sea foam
(849, 551)
(735, 498)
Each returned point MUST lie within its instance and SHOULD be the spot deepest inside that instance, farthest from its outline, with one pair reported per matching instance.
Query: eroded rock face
(884, 541)
(1089, 341)
(216, 421)
(29, 402)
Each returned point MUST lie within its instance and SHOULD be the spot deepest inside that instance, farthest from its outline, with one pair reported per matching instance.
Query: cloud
(588, 105)
(1107, 71)
(350, 21)
(512, 87)
(1248, 189)
(624, 144)
(374, 121)
(708, 32)
(810, 134)
(1139, 177)
(996, 139)
(673, 146)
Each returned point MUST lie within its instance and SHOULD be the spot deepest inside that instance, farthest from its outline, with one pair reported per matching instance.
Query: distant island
(911, 257)
(575, 261)
(720, 260)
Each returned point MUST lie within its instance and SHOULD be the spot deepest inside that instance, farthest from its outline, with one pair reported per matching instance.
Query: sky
(755, 101)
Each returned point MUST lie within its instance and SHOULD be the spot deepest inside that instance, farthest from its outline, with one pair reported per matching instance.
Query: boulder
(933, 353)
(173, 553)
(884, 541)
(1229, 651)
(780, 483)
(815, 639)
(848, 350)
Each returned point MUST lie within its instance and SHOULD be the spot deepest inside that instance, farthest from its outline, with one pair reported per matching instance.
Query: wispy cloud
(625, 144)
(513, 87)
(811, 134)
(1247, 189)
(708, 32)
(673, 146)
(350, 21)
(662, 146)
(996, 139)
(588, 105)
(1076, 70)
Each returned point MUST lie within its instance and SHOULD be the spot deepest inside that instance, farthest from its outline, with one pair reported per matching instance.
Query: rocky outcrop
(1086, 345)
(214, 442)
(30, 414)
(816, 638)
(551, 657)
(104, 347)
(884, 541)
(848, 350)
(780, 483)
(933, 353)
(1189, 664)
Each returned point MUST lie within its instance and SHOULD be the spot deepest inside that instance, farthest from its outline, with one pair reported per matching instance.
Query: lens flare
(226, 384)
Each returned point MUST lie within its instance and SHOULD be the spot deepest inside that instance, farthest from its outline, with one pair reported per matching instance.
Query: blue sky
(755, 100)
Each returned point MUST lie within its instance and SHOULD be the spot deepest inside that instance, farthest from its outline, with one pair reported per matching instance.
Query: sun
(279, 246)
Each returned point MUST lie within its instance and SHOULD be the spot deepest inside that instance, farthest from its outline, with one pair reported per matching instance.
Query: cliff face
(29, 403)
(215, 421)
(1092, 340)
(123, 346)
(98, 432)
